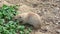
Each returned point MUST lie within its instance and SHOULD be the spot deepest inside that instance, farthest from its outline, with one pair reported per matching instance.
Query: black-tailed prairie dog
(30, 18)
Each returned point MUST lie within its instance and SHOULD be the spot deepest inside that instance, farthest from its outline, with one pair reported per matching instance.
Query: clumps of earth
(49, 10)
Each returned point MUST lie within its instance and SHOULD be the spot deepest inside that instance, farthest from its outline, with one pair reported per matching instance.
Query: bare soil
(49, 10)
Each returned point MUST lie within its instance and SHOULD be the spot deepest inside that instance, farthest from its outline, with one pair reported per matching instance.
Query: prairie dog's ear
(31, 14)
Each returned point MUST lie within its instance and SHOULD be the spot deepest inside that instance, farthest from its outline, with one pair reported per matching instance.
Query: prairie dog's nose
(15, 19)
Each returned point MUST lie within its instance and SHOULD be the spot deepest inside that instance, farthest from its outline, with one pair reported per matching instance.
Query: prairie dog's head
(21, 17)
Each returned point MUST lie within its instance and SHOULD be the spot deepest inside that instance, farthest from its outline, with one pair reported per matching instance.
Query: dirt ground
(49, 10)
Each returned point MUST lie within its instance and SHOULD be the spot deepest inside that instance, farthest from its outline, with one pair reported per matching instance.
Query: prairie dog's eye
(20, 17)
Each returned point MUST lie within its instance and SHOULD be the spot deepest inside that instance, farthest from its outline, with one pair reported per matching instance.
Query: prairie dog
(30, 18)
